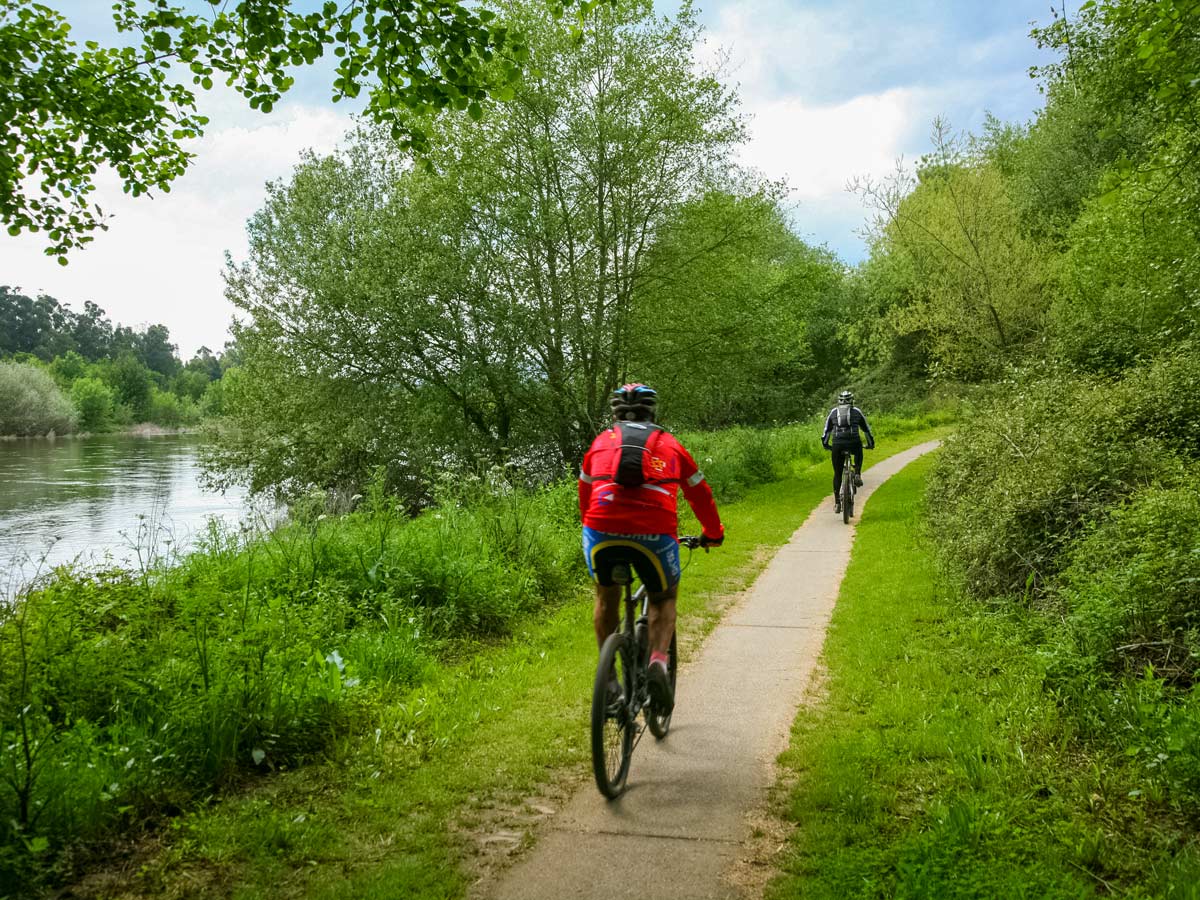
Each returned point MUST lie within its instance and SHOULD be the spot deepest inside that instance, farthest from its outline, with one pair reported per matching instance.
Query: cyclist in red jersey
(628, 485)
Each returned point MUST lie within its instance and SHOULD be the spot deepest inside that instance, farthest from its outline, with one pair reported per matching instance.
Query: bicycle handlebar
(691, 541)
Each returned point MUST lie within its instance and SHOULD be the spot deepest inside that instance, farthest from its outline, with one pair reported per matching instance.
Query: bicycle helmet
(846, 398)
(634, 403)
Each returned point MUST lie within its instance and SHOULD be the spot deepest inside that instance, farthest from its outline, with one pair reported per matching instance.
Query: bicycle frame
(629, 644)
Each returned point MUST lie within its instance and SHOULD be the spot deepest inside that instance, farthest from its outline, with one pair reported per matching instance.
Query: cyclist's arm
(700, 496)
(828, 425)
(866, 428)
(585, 485)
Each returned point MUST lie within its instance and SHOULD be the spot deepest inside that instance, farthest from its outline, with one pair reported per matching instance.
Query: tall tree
(489, 294)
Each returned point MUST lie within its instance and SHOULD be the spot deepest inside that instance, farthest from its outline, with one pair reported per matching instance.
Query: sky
(834, 89)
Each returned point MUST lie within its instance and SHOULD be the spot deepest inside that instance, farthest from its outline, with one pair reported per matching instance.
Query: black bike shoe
(857, 480)
(662, 698)
(837, 504)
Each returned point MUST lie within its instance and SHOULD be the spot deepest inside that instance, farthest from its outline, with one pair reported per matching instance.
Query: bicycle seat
(621, 573)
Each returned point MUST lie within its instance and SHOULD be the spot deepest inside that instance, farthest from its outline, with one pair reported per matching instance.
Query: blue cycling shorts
(655, 557)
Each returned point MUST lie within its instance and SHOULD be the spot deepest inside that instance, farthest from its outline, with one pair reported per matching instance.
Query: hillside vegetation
(1053, 269)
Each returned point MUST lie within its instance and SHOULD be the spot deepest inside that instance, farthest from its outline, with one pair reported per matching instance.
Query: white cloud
(161, 259)
(837, 91)
(818, 148)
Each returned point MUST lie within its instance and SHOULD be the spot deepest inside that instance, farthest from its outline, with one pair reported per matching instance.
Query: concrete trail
(678, 826)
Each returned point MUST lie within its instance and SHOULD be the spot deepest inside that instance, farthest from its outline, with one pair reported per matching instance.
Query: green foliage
(138, 692)
(70, 110)
(31, 403)
(956, 269)
(1130, 584)
(936, 765)
(1045, 457)
(131, 383)
(94, 401)
(737, 306)
(68, 368)
(456, 313)
(171, 411)
(1130, 276)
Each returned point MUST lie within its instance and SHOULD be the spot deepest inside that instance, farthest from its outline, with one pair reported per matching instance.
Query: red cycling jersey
(648, 508)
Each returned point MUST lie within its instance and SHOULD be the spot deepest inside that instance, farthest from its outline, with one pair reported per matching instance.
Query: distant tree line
(64, 371)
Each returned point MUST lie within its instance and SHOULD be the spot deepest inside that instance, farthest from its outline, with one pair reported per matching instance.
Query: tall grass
(1076, 497)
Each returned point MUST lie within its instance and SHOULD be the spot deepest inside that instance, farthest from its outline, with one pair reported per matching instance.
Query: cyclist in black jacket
(841, 430)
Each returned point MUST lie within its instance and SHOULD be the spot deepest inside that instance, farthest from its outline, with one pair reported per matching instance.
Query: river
(102, 498)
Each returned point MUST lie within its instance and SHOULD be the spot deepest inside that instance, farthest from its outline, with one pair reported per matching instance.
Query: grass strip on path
(935, 764)
(395, 811)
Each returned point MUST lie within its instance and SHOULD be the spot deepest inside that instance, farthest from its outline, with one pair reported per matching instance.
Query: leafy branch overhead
(72, 110)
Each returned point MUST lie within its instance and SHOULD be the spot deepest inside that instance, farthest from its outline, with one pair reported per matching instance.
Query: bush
(31, 403)
(94, 401)
(132, 383)
(1030, 470)
(164, 409)
(1131, 584)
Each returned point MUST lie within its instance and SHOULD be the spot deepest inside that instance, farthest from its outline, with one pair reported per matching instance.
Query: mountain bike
(849, 489)
(621, 692)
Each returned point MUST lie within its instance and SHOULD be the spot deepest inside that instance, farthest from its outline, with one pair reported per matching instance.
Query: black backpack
(844, 428)
(635, 437)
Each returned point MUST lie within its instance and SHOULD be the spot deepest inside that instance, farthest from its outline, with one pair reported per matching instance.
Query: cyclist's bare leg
(662, 619)
(607, 614)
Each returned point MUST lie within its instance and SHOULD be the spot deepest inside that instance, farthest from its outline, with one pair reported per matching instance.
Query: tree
(69, 111)
(156, 351)
(93, 332)
(736, 321)
(441, 304)
(93, 401)
(975, 284)
(131, 383)
(40, 327)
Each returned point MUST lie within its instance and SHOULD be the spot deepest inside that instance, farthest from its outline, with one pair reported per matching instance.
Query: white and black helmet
(634, 403)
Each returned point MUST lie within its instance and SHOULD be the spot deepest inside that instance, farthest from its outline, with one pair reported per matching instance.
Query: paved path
(678, 826)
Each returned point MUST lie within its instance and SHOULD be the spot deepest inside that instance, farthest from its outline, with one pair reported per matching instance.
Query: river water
(100, 499)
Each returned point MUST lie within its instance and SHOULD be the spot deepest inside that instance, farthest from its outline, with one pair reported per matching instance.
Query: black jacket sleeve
(863, 424)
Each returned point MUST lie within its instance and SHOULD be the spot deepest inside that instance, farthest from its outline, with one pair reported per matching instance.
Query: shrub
(132, 383)
(1131, 584)
(1028, 471)
(67, 368)
(94, 401)
(164, 409)
(31, 403)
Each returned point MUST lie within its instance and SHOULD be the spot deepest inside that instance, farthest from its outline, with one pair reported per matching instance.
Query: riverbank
(142, 429)
(338, 648)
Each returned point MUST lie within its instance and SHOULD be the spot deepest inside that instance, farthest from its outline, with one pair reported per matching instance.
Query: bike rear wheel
(661, 724)
(847, 494)
(613, 726)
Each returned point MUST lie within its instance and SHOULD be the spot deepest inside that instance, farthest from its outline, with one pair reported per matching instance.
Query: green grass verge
(390, 813)
(936, 765)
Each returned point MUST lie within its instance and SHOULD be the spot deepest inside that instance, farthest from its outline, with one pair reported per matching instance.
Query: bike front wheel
(661, 724)
(613, 725)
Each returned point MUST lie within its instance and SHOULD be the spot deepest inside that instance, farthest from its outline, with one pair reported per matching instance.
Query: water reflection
(100, 498)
